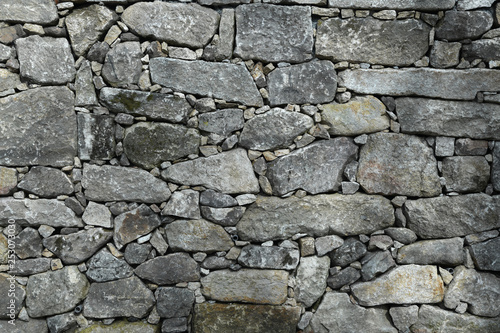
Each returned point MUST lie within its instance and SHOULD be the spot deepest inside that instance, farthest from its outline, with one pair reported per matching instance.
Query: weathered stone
(42, 300)
(24, 141)
(272, 257)
(229, 318)
(404, 316)
(466, 173)
(8, 80)
(214, 262)
(121, 326)
(228, 172)
(271, 218)
(222, 122)
(403, 285)
(312, 273)
(137, 253)
(348, 317)
(136, 223)
(12, 296)
(170, 269)
(96, 138)
(98, 215)
(8, 180)
(123, 64)
(29, 11)
(456, 216)
(376, 263)
(33, 325)
(424, 5)
(402, 235)
(29, 244)
(217, 200)
(84, 86)
(79, 246)
(444, 55)
(183, 204)
(345, 277)
(4, 249)
(122, 298)
(481, 237)
(350, 251)
(9, 34)
(289, 33)
(226, 217)
(110, 183)
(247, 286)
(486, 255)
(46, 182)
(448, 252)
(62, 323)
(104, 267)
(174, 302)
(326, 244)
(316, 168)
(495, 166)
(30, 266)
(377, 41)
(459, 25)
(485, 49)
(174, 325)
(474, 4)
(223, 47)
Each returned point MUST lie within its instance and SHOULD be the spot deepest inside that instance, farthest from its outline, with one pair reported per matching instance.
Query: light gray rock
(12, 296)
(474, 4)
(466, 173)
(486, 255)
(222, 122)
(8, 80)
(226, 217)
(33, 325)
(184, 204)
(96, 139)
(312, 273)
(485, 49)
(404, 316)
(136, 223)
(8, 180)
(174, 302)
(97, 215)
(495, 167)
(170, 269)
(424, 5)
(30, 266)
(376, 263)
(271, 257)
(447, 252)
(30, 11)
(5, 54)
(214, 263)
(327, 244)
(175, 325)
(402, 235)
(123, 64)
(217, 200)
(84, 86)
(104, 267)
(444, 54)
(272, 218)
(46, 182)
(459, 25)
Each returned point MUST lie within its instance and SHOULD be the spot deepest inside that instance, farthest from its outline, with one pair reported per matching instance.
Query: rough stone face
(311, 279)
(121, 326)
(326, 244)
(376, 263)
(425, 5)
(220, 80)
(29, 11)
(495, 167)
(184, 204)
(486, 255)
(448, 252)
(226, 217)
(247, 286)
(214, 262)
(289, 33)
(445, 217)
(8, 180)
(217, 200)
(377, 41)
(84, 86)
(105, 267)
(122, 298)
(350, 251)
(410, 169)
(136, 223)
(271, 218)
(123, 64)
(98, 215)
(459, 25)
(474, 4)
(404, 316)
(470, 147)
(46, 182)
(170, 269)
(4, 249)
(316, 168)
(486, 49)
(152, 105)
(110, 183)
(403, 285)
(24, 141)
(8, 80)
(345, 277)
(466, 173)
(444, 55)
(272, 257)
(228, 172)
(7, 294)
(174, 302)
(29, 244)
(30, 266)
(137, 253)
(33, 325)
(55, 292)
(96, 138)
(402, 235)
(222, 122)
(222, 48)
(185, 24)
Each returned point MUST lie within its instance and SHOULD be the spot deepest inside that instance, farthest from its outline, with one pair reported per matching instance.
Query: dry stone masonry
(270, 166)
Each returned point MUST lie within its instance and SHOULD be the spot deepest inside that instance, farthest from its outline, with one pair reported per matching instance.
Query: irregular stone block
(473, 4)
(444, 55)
(29, 11)
(469, 147)
(123, 64)
(30, 266)
(326, 244)
(222, 48)
(486, 255)
(184, 204)
(136, 223)
(217, 200)
(222, 122)
(33, 325)
(29, 244)
(404, 316)
(466, 173)
(8, 180)
(175, 325)
(174, 302)
(495, 167)
(485, 49)
(98, 215)
(121, 325)
(345, 277)
(448, 252)
(311, 279)
(226, 217)
(136, 254)
(63, 322)
(104, 267)
(12, 296)
(84, 86)
(376, 263)
(459, 25)
(8, 80)
(170, 269)
(350, 251)
(46, 182)
(214, 262)
(271, 257)
(424, 5)
(402, 235)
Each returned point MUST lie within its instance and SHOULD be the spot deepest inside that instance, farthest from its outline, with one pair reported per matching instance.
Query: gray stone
(474, 4)
(158, 242)
(46, 182)
(467, 147)
(197, 236)
(79, 246)
(96, 138)
(110, 183)
(350, 251)
(444, 146)
(33, 325)
(5, 54)
(377, 41)
(486, 255)
(459, 25)
(404, 316)
(312, 273)
(348, 316)
(481, 237)
(75, 205)
(466, 173)
(98, 215)
(485, 49)
(455, 216)
(8, 180)
(312, 82)
(104, 267)
(84, 86)
(12, 296)
(272, 218)
(24, 142)
(29, 11)
(376, 263)
(123, 64)
(122, 298)
(29, 244)
(232, 83)
(327, 244)
(228, 172)
(174, 302)
(402, 235)
(214, 262)
(9, 34)
(162, 107)
(174, 325)
(424, 5)
(136, 223)
(222, 48)
(345, 277)
(42, 300)
(30, 266)
(62, 323)
(403, 285)
(120, 325)
(4, 249)
(226, 217)
(381, 242)
(495, 167)
(8, 80)
(222, 122)
(271, 257)
(246, 286)
(444, 55)
(217, 200)
(289, 33)
(136, 254)
(447, 252)
(184, 204)
(170, 269)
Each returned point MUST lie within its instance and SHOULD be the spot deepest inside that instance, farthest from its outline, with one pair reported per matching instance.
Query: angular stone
(424, 5)
(119, 326)
(229, 82)
(474, 4)
(223, 48)
(271, 257)
(312, 273)
(104, 267)
(98, 215)
(404, 316)
(184, 204)
(226, 217)
(459, 25)
(326, 244)
(170, 269)
(495, 166)
(29, 244)
(217, 200)
(29, 11)
(246, 286)
(174, 302)
(111, 183)
(96, 138)
(345, 277)
(155, 106)
(62, 323)
(229, 318)
(8, 180)
(214, 262)
(447, 252)
(222, 122)
(33, 325)
(175, 325)
(485, 49)
(272, 218)
(312, 82)
(122, 298)
(455, 216)
(228, 172)
(136, 254)
(123, 64)
(377, 41)
(24, 141)
(46, 182)
(350, 251)
(444, 55)
(9, 34)
(348, 317)
(411, 168)
(79, 246)
(12, 296)
(8, 80)
(136, 223)
(30, 266)
(466, 173)
(84, 86)
(289, 33)
(471, 147)
(376, 263)
(5, 54)
(71, 286)
(486, 255)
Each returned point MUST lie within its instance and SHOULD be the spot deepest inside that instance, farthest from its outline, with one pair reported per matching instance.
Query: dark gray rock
(46, 182)
(174, 302)
(29, 244)
(217, 200)
(376, 263)
(104, 267)
(272, 257)
(350, 251)
(214, 262)
(486, 255)
(346, 276)
(29, 11)
(30, 266)
(402, 235)
(459, 25)
(12, 296)
(466, 173)
(123, 64)
(73, 204)
(495, 167)
(136, 254)
(222, 122)
(136, 223)
(424, 5)
(312, 273)
(447, 252)
(174, 325)
(62, 323)
(485, 49)
(467, 147)
(170, 269)
(226, 217)
(84, 86)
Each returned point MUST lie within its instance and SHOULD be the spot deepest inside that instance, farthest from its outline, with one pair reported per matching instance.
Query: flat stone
(402, 235)
(222, 48)
(29, 244)
(122, 298)
(175, 325)
(444, 54)
(79, 246)
(272, 218)
(377, 41)
(104, 267)
(9, 34)
(123, 64)
(11, 292)
(453, 216)
(485, 49)
(136, 254)
(84, 86)
(26, 143)
(289, 33)
(119, 326)
(8, 80)
(404, 316)
(187, 25)
(403, 285)
(63, 322)
(33, 325)
(316, 168)
(96, 139)
(5, 54)
(466, 173)
(481, 237)
(447, 252)
(246, 286)
(97, 215)
(469, 147)
(217, 200)
(222, 122)
(214, 262)
(46, 182)
(376, 263)
(349, 317)
(136, 223)
(226, 217)
(229, 172)
(350, 251)
(184, 204)
(271, 257)
(346, 276)
(174, 302)
(495, 167)
(111, 183)
(486, 255)
(170, 269)
(29, 11)
(30, 266)
(8, 180)
(474, 4)
(459, 25)
(41, 300)
(312, 273)
(232, 83)
(425, 5)
(327, 244)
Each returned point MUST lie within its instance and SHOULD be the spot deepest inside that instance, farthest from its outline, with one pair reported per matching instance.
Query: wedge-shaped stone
(316, 168)
(459, 25)
(105, 267)
(311, 279)
(136, 223)
(425, 5)
(486, 255)
(8, 80)
(176, 23)
(29, 11)
(227, 172)
(448, 252)
(449, 118)
(272, 218)
(220, 80)
(23, 141)
(403, 285)
(84, 86)
(247, 286)
(272, 257)
(392, 43)
(169, 269)
(439, 83)
(445, 217)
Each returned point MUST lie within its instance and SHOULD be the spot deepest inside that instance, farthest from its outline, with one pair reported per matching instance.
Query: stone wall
(227, 166)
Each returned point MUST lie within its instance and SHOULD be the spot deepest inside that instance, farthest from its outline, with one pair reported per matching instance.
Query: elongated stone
(29, 11)
(271, 257)
(311, 279)
(425, 5)
(486, 255)
(170, 269)
(495, 166)
(8, 80)
(120, 325)
(84, 86)
(8, 180)
(46, 182)
(448, 252)
(12, 296)
(459, 25)
(486, 49)
(96, 138)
